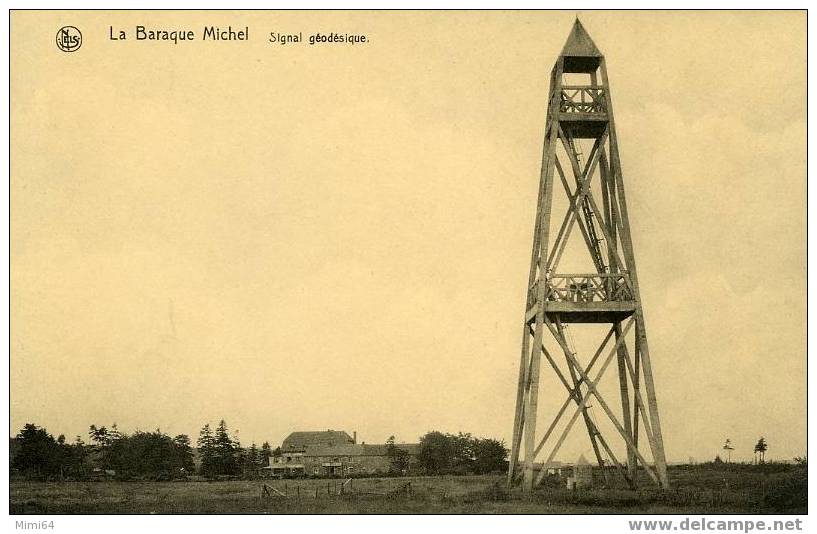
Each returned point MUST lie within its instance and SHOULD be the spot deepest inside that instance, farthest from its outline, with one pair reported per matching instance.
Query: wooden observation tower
(580, 119)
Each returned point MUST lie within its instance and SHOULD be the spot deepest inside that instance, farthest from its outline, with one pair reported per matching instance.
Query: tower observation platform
(585, 298)
(582, 107)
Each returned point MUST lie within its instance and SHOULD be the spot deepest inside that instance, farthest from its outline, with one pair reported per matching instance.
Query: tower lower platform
(585, 298)
(585, 312)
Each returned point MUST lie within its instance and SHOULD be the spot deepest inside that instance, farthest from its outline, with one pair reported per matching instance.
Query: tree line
(152, 455)
(221, 454)
(155, 455)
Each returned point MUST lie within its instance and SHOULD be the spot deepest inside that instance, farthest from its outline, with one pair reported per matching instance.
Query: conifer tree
(226, 451)
(207, 455)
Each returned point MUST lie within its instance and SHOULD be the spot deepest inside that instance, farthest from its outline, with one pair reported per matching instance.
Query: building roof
(300, 440)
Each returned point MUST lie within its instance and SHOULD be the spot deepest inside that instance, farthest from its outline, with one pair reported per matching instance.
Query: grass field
(728, 489)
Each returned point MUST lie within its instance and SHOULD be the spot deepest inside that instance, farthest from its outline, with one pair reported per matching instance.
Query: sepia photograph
(448, 262)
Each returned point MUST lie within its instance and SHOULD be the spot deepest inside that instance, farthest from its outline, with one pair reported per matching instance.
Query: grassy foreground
(695, 489)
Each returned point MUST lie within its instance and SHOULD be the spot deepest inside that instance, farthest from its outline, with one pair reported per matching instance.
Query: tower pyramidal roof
(580, 53)
(579, 43)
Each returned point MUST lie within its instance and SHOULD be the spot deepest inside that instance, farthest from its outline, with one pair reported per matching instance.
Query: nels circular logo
(69, 39)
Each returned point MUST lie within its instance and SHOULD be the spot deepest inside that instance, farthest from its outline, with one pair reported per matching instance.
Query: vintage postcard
(408, 262)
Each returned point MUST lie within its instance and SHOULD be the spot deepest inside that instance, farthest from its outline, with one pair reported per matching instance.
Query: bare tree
(728, 448)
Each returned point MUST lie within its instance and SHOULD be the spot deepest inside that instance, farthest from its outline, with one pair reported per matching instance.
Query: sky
(311, 237)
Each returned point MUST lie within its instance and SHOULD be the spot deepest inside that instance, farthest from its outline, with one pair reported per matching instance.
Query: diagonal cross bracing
(611, 296)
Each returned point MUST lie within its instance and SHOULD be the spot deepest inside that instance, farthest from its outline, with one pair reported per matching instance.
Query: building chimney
(354, 437)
